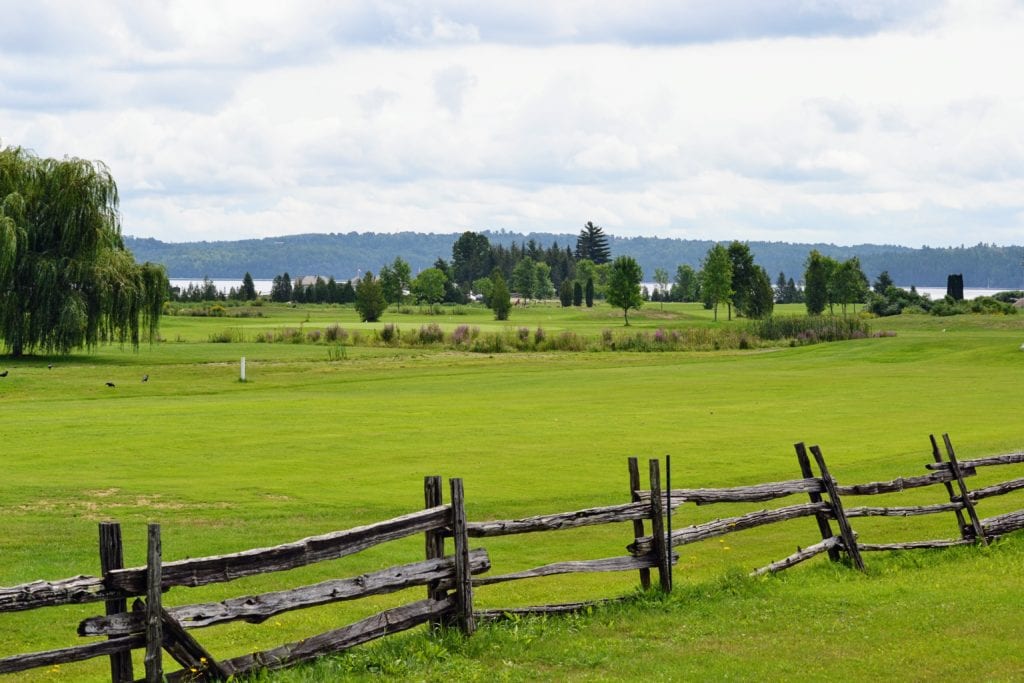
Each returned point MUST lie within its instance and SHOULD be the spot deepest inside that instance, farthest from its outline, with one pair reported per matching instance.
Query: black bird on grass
(49, 366)
(111, 384)
(4, 373)
(145, 378)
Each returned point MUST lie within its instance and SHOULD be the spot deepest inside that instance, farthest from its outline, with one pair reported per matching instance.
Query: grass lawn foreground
(317, 441)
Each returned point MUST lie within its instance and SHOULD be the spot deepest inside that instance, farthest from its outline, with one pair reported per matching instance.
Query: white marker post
(242, 377)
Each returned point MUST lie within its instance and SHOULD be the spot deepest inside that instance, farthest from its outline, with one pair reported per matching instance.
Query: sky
(779, 120)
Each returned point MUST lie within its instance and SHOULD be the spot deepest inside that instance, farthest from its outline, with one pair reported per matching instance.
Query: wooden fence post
(433, 496)
(662, 549)
(965, 530)
(954, 466)
(845, 531)
(638, 524)
(112, 557)
(822, 518)
(463, 576)
(154, 620)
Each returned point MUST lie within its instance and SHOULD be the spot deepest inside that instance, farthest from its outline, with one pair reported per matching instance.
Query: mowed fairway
(310, 445)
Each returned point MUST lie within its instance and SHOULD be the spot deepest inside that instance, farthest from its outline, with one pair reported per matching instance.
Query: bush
(231, 335)
(431, 334)
(389, 334)
(463, 334)
(335, 333)
(313, 336)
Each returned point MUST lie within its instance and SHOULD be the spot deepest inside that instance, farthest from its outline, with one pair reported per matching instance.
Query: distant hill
(346, 255)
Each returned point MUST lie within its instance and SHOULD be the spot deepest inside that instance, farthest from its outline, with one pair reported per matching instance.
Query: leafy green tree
(395, 279)
(66, 279)
(281, 289)
(716, 277)
(624, 285)
(370, 303)
(542, 287)
(744, 273)
(585, 270)
(452, 293)
(816, 277)
(471, 258)
(686, 285)
(248, 291)
(849, 284)
(592, 244)
(428, 287)
(661, 279)
(484, 287)
(589, 292)
(524, 277)
(577, 294)
(501, 300)
(762, 296)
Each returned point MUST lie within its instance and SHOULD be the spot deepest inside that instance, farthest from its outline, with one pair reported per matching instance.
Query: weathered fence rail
(450, 580)
(148, 625)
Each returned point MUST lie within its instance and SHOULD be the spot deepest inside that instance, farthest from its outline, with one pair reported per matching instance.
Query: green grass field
(311, 444)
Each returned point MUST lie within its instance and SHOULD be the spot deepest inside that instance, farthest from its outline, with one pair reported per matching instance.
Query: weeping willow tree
(66, 279)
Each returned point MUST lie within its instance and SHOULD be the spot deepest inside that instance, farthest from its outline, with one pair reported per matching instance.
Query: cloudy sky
(787, 120)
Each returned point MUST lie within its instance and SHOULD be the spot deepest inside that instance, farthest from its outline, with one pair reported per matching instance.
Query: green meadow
(326, 436)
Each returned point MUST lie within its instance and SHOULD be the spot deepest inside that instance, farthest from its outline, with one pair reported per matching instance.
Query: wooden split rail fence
(450, 581)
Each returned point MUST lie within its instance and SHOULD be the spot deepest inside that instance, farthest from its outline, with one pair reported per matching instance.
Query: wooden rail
(450, 581)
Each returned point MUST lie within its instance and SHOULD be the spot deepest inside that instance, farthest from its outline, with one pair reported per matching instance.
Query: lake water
(263, 287)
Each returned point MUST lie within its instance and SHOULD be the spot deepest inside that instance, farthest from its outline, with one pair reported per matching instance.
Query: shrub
(491, 342)
(431, 334)
(389, 333)
(335, 333)
(462, 335)
(313, 336)
(538, 336)
(230, 335)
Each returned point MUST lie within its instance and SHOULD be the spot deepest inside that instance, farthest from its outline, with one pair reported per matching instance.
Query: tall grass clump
(430, 334)
(335, 334)
(230, 335)
(809, 329)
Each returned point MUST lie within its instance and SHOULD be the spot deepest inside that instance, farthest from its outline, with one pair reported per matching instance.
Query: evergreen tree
(592, 244)
(565, 294)
(882, 283)
(577, 294)
(348, 293)
(248, 291)
(589, 292)
(370, 303)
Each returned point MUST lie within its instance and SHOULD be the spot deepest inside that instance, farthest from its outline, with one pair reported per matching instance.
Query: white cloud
(833, 123)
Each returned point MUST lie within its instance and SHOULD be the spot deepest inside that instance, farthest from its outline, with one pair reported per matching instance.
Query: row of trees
(66, 279)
